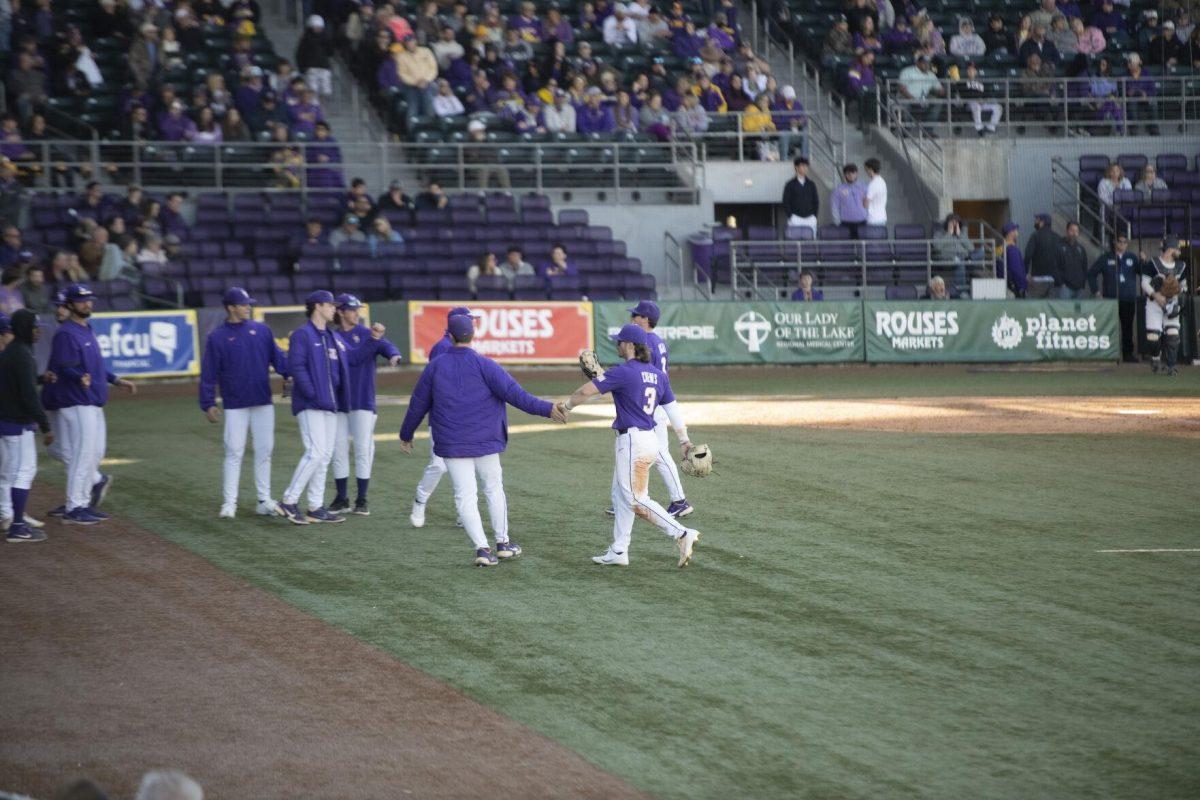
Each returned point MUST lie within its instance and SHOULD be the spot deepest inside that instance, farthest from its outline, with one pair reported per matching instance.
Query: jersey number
(651, 397)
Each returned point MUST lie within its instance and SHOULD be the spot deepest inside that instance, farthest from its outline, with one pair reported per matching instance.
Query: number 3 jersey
(637, 389)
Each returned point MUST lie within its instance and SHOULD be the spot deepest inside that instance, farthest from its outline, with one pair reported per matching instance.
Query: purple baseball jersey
(658, 350)
(637, 390)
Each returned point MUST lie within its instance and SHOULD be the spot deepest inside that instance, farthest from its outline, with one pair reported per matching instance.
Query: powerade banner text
(149, 344)
(746, 333)
(999, 330)
(511, 333)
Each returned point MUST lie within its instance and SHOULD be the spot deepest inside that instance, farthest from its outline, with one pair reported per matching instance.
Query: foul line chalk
(1155, 550)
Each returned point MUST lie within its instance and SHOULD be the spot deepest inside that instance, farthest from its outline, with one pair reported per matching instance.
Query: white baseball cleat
(228, 512)
(610, 557)
(417, 517)
(267, 508)
(687, 543)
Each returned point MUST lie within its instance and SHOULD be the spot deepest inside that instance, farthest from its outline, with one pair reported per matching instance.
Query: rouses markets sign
(511, 333)
(1016, 330)
(746, 333)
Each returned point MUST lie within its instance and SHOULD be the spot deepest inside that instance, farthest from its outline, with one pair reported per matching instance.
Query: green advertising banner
(992, 330)
(745, 332)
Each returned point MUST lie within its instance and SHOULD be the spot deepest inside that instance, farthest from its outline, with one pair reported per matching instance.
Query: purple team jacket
(361, 356)
(237, 357)
(464, 394)
(74, 352)
(320, 372)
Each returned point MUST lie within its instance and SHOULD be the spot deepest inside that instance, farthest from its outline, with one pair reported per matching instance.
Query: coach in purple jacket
(465, 395)
(317, 361)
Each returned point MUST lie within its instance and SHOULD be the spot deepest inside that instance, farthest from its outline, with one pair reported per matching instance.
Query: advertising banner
(992, 330)
(511, 333)
(149, 344)
(282, 320)
(745, 332)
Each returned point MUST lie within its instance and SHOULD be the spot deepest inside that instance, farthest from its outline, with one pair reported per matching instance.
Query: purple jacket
(443, 344)
(362, 353)
(317, 360)
(74, 352)
(237, 358)
(176, 129)
(171, 222)
(1018, 280)
(464, 394)
(594, 120)
(847, 202)
(798, 295)
(860, 78)
(247, 99)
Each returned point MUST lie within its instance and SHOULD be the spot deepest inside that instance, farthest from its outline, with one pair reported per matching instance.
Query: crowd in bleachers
(1150, 198)
(951, 49)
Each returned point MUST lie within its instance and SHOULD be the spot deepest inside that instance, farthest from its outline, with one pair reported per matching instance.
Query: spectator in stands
(248, 96)
(1038, 45)
(26, 85)
(625, 116)
(951, 246)
(65, 268)
(860, 85)
(145, 57)
(937, 289)
(838, 41)
(918, 83)
(996, 38)
(687, 44)
(559, 266)
(1012, 266)
(691, 118)
(485, 267)
(446, 103)
(900, 39)
(866, 39)
(137, 127)
(711, 97)
(433, 197)
(172, 49)
(653, 28)
(791, 122)
(152, 255)
(207, 130)
(557, 28)
(737, 101)
(313, 237)
(1046, 12)
(35, 292)
(800, 201)
(859, 11)
(805, 293)
(654, 119)
(1063, 38)
(877, 194)
(1041, 251)
(286, 161)
(967, 43)
(1037, 86)
(1071, 266)
(1140, 91)
(95, 205)
(176, 126)
(1119, 269)
(382, 233)
(971, 90)
(304, 114)
(347, 233)
(594, 117)
(515, 265)
(1150, 182)
(394, 199)
(1089, 39)
(846, 204)
(929, 38)
(620, 30)
(11, 145)
(417, 69)
(486, 157)
(11, 191)
(559, 117)
(1108, 20)
(321, 154)
(1166, 49)
(757, 120)
(233, 129)
(1022, 34)
(269, 116)
(91, 252)
(515, 50)
(171, 217)
(358, 192)
(10, 291)
(446, 49)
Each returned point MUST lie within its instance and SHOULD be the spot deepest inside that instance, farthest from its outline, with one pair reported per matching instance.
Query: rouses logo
(1006, 333)
(148, 343)
(916, 330)
(533, 333)
(753, 329)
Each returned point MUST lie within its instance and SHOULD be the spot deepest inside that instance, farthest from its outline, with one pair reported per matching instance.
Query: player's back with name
(637, 389)
(659, 355)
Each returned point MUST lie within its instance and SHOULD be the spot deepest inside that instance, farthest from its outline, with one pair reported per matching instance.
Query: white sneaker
(609, 557)
(228, 512)
(267, 508)
(417, 517)
(34, 523)
(687, 543)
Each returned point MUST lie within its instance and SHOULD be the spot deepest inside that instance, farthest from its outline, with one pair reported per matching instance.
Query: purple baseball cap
(1042, 217)
(458, 311)
(630, 333)
(348, 301)
(460, 326)
(1009, 227)
(79, 292)
(237, 296)
(320, 296)
(647, 309)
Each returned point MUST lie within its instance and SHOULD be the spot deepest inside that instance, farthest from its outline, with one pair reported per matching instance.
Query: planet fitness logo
(1006, 332)
(753, 329)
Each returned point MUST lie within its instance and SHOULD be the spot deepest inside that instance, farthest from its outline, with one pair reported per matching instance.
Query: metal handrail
(931, 155)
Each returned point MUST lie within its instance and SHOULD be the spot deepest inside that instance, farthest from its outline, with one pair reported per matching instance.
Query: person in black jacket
(313, 57)
(800, 200)
(1071, 266)
(1041, 251)
(20, 410)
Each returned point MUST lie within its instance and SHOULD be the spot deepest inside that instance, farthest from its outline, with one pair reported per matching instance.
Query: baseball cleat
(417, 517)
(267, 508)
(612, 557)
(687, 543)
(100, 490)
(484, 557)
(21, 532)
(34, 523)
(227, 512)
(292, 512)
(680, 508)
(509, 549)
(98, 514)
(323, 514)
(340, 504)
(611, 511)
(61, 511)
(362, 509)
(79, 516)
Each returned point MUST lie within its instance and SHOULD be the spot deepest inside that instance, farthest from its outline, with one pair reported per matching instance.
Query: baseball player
(82, 385)
(50, 403)
(436, 467)
(638, 388)
(6, 506)
(238, 357)
(20, 414)
(321, 378)
(1163, 314)
(465, 394)
(363, 346)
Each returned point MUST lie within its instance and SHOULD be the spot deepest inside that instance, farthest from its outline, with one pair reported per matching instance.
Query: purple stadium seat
(1171, 161)
(492, 287)
(287, 216)
(432, 216)
(531, 201)
(233, 249)
(353, 250)
(1132, 163)
(905, 292)
(536, 216)
(572, 216)
(212, 216)
(761, 233)
(529, 287)
(503, 218)
(210, 249)
(1093, 162)
(1161, 196)
(466, 200)
(399, 217)
(639, 287)
(498, 201)
(391, 250)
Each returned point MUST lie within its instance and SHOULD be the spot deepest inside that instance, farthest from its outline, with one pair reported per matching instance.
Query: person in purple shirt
(306, 114)
(464, 394)
(592, 117)
(638, 388)
(248, 97)
(1013, 263)
(238, 357)
(321, 379)
(805, 293)
(175, 126)
(437, 465)
(846, 201)
(357, 421)
(526, 24)
(686, 43)
(321, 154)
(1108, 20)
(83, 378)
(170, 217)
(860, 85)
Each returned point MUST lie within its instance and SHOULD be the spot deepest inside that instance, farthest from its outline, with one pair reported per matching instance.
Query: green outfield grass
(869, 614)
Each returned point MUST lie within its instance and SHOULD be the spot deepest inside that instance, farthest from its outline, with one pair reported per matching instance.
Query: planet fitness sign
(511, 333)
(148, 344)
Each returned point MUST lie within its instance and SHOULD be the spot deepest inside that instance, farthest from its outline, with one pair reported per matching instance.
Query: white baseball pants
(259, 423)
(466, 496)
(318, 432)
(666, 466)
(1156, 317)
(636, 452)
(18, 466)
(359, 426)
(83, 450)
(434, 471)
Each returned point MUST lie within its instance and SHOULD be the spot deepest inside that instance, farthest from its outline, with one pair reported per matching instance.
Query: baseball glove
(590, 364)
(698, 462)
(1170, 286)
